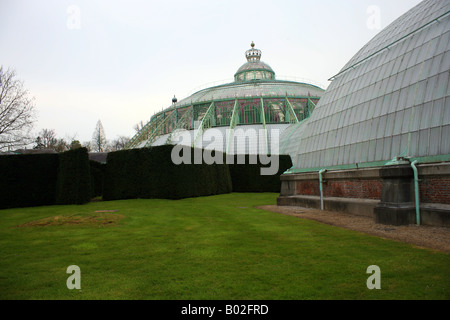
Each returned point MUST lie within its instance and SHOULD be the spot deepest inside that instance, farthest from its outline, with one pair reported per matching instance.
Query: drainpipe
(321, 187)
(416, 190)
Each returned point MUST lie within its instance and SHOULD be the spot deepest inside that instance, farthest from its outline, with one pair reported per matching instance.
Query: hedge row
(70, 178)
(44, 179)
(74, 177)
(247, 177)
(28, 180)
(151, 173)
(97, 177)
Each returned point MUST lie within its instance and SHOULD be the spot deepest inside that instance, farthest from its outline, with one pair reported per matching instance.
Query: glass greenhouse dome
(390, 101)
(255, 102)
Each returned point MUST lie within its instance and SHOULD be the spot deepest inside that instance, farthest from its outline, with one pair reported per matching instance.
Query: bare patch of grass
(95, 220)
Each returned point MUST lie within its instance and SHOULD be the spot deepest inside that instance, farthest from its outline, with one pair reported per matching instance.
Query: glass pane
(423, 142)
(437, 114)
(435, 140)
(445, 141)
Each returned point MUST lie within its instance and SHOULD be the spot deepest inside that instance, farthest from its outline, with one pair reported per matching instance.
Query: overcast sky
(122, 61)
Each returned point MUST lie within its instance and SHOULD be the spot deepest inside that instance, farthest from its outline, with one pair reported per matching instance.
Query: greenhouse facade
(378, 141)
(255, 103)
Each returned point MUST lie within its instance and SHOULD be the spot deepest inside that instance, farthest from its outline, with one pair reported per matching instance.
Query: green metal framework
(233, 123)
(263, 120)
(185, 122)
(226, 112)
(208, 121)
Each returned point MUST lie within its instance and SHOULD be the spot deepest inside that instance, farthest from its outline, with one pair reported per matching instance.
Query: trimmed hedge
(151, 173)
(71, 178)
(247, 177)
(97, 176)
(28, 180)
(74, 178)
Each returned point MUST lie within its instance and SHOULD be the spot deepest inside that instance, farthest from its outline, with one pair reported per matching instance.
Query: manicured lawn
(218, 247)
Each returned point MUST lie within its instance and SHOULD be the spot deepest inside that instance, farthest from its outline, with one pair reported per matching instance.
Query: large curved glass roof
(255, 98)
(390, 100)
(253, 89)
(256, 65)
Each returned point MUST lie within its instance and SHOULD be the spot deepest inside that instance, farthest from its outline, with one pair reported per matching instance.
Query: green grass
(217, 247)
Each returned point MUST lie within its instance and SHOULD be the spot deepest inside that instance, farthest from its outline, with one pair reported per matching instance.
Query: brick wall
(434, 190)
(363, 189)
(434, 183)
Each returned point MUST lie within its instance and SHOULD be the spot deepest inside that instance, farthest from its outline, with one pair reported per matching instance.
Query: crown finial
(253, 54)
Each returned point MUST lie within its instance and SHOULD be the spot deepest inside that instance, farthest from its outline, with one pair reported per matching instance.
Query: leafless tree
(17, 111)
(46, 139)
(138, 126)
(99, 142)
(119, 143)
(61, 145)
(87, 145)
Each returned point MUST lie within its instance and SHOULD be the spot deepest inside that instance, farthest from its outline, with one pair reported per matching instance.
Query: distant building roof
(34, 151)
(98, 156)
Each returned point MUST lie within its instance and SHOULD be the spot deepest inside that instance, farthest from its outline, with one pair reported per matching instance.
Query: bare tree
(138, 126)
(119, 143)
(87, 145)
(46, 139)
(99, 142)
(17, 113)
(61, 145)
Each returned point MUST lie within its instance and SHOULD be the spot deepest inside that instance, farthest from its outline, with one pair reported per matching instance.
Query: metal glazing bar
(188, 114)
(310, 110)
(140, 136)
(205, 123)
(263, 120)
(158, 126)
(291, 111)
(232, 124)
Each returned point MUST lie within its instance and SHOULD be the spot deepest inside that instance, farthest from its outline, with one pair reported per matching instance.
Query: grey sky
(122, 61)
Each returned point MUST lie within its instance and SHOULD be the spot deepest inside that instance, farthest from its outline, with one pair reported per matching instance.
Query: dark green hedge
(74, 179)
(70, 178)
(247, 177)
(28, 180)
(151, 173)
(97, 176)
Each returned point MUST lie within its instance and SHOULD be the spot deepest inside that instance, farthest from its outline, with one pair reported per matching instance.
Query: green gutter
(416, 190)
(429, 159)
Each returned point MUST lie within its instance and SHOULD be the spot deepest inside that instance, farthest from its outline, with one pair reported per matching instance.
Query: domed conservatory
(227, 117)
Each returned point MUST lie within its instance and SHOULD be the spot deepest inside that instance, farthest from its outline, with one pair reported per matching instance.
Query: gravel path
(436, 238)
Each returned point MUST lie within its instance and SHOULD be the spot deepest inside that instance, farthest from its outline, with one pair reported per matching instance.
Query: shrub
(28, 180)
(97, 170)
(247, 177)
(150, 173)
(74, 180)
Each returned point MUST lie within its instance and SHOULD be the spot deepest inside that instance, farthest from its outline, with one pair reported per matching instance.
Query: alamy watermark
(73, 21)
(374, 281)
(373, 22)
(73, 281)
(209, 148)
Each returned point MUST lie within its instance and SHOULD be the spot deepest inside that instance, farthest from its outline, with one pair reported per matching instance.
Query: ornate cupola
(254, 69)
(253, 54)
